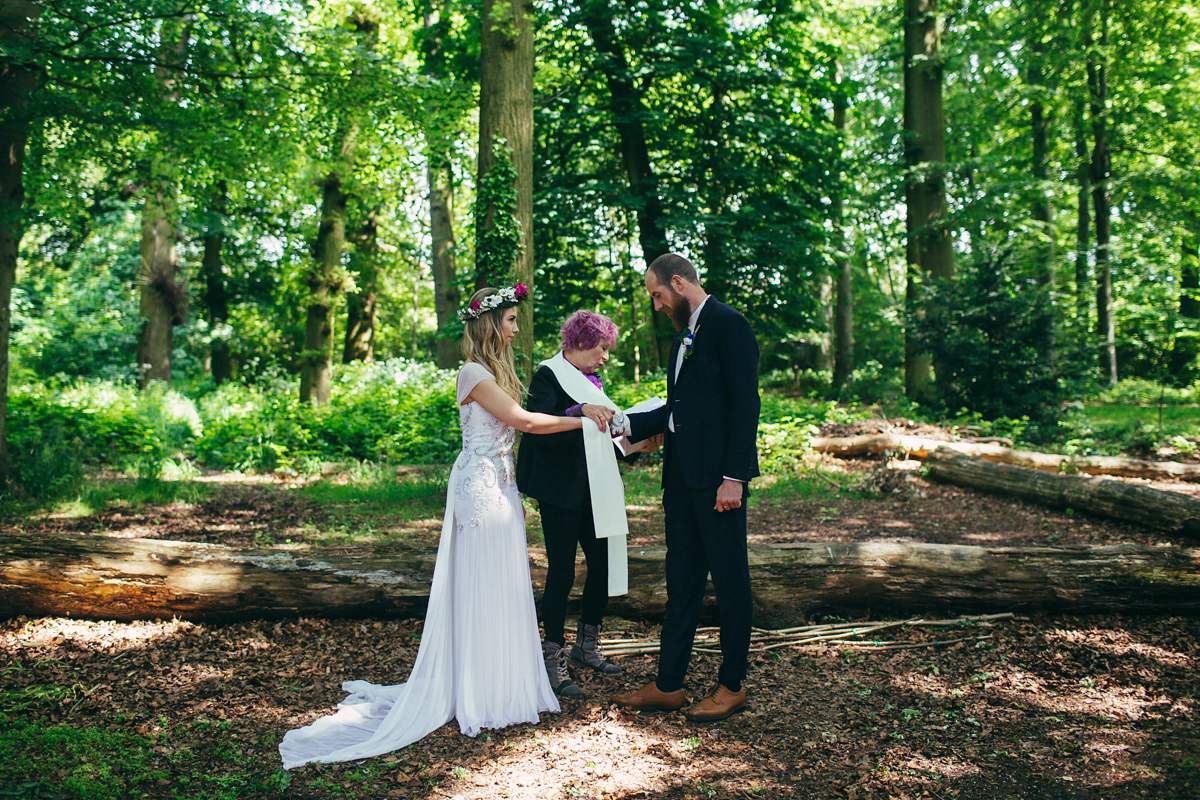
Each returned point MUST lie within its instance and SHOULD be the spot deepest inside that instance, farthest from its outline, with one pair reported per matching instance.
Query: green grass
(1133, 429)
(92, 763)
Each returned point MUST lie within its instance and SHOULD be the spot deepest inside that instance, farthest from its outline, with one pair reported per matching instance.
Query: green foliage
(787, 425)
(1139, 391)
(497, 231)
(396, 410)
(987, 333)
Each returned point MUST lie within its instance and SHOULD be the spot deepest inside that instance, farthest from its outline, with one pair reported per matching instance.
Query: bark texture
(162, 295)
(125, 579)
(1165, 511)
(16, 83)
(506, 113)
(929, 249)
(216, 294)
(361, 304)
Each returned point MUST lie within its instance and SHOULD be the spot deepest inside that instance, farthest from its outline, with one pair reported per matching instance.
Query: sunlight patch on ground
(55, 630)
(1118, 643)
(984, 537)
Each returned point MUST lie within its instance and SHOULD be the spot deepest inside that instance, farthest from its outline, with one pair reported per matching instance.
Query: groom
(711, 425)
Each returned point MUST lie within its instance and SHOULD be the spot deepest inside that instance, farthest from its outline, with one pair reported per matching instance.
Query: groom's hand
(729, 495)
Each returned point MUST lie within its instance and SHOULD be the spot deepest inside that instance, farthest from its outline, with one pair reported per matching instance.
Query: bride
(480, 659)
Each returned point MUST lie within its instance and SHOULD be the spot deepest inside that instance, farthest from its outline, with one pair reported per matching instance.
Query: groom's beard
(681, 311)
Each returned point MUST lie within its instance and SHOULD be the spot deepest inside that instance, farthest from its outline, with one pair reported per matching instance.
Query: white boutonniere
(688, 338)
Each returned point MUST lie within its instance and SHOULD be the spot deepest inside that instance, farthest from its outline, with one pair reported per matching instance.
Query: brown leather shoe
(721, 704)
(649, 698)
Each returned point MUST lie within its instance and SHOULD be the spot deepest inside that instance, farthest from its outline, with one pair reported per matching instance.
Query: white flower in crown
(507, 296)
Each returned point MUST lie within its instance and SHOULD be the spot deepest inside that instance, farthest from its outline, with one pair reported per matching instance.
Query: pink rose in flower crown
(520, 290)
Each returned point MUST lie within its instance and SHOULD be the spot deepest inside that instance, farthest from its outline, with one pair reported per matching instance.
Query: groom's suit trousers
(702, 541)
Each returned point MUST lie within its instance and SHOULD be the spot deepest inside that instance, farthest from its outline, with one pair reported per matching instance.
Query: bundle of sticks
(847, 635)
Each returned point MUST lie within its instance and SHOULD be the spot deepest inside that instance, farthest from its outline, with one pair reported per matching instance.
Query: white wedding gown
(480, 659)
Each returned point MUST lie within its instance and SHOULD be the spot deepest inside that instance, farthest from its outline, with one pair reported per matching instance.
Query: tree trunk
(326, 278)
(325, 281)
(361, 304)
(216, 295)
(917, 447)
(447, 297)
(100, 577)
(440, 176)
(16, 84)
(629, 112)
(1185, 350)
(1042, 211)
(1165, 511)
(929, 251)
(162, 296)
(1083, 220)
(843, 310)
(1100, 173)
(506, 114)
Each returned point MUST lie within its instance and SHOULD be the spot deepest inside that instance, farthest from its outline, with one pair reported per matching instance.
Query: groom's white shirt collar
(696, 313)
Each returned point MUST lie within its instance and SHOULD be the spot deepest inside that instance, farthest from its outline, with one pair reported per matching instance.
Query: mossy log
(104, 577)
(921, 448)
(1165, 511)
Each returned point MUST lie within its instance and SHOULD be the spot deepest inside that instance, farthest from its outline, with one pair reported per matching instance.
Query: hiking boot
(586, 651)
(555, 657)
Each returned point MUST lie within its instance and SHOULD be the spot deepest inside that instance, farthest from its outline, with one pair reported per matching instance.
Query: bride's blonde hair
(484, 342)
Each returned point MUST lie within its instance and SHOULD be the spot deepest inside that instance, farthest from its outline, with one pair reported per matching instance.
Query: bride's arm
(500, 405)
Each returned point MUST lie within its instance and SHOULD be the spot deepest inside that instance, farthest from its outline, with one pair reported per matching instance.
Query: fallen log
(1166, 511)
(128, 579)
(921, 448)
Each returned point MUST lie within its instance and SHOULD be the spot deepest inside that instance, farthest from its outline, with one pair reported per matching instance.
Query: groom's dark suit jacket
(551, 467)
(715, 402)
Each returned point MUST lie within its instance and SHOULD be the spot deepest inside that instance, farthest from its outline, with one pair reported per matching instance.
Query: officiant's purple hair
(584, 330)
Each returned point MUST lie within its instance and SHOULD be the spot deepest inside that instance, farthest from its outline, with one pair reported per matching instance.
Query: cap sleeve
(469, 376)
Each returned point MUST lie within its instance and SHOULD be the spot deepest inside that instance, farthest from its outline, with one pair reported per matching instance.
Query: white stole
(604, 478)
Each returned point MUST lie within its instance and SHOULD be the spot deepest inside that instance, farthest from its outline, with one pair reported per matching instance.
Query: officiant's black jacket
(551, 467)
(715, 402)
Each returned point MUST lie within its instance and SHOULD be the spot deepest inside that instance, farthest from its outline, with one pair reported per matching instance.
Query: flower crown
(503, 298)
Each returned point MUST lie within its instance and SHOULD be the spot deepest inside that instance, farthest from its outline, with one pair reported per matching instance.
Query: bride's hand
(598, 414)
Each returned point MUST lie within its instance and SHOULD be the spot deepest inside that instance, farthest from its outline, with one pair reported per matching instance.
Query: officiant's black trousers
(700, 542)
(566, 529)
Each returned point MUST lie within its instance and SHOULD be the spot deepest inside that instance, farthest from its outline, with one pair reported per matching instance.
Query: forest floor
(1042, 706)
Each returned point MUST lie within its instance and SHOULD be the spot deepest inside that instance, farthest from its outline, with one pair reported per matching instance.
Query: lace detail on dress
(485, 465)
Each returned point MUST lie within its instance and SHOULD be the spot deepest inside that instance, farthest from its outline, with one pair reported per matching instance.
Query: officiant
(576, 482)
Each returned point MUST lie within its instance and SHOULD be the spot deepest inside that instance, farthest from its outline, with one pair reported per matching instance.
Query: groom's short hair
(670, 264)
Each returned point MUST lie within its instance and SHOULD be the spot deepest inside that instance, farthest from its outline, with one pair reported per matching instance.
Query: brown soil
(1045, 707)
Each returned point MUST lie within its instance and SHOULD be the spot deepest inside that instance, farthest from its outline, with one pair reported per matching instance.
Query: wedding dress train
(480, 658)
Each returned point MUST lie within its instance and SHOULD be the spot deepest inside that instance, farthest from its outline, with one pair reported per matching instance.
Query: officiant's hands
(601, 415)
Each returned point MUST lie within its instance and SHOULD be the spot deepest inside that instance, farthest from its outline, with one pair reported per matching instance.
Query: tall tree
(17, 80)
(843, 305)
(1100, 173)
(216, 293)
(628, 110)
(162, 294)
(440, 180)
(1083, 216)
(1042, 210)
(326, 278)
(361, 303)
(1185, 350)
(506, 135)
(930, 250)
